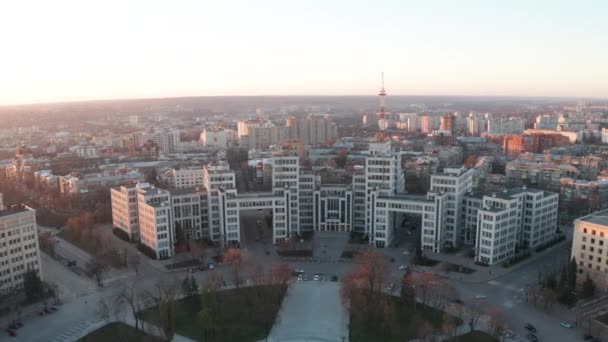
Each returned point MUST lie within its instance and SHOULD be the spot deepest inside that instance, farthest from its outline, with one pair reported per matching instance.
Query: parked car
(587, 336)
(480, 296)
(566, 325)
(530, 327)
(316, 277)
(300, 278)
(406, 252)
(531, 337)
(402, 267)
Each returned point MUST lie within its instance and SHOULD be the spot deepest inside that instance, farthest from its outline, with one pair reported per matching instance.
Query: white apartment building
(217, 137)
(124, 210)
(373, 204)
(455, 182)
(220, 182)
(86, 151)
(19, 250)
(515, 218)
(285, 183)
(183, 178)
(155, 216)
(590, 248)
(505, 126)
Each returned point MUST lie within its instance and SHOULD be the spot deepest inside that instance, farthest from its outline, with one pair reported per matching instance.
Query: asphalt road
(506, 293)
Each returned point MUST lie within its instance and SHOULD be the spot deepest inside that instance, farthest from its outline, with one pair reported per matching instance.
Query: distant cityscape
(475, 191)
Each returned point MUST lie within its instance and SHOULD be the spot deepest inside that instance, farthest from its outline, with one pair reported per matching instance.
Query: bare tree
(282, 274)
(449, 326)
(131, 296)
(235, 259)
(361, 290)
(476, 309)
(134, 261)
(497, 323)
(97, 267)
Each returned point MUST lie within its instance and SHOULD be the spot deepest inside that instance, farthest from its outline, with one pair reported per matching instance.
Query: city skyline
(69, 51)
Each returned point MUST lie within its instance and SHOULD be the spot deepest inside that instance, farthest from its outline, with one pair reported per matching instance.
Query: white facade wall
(155, 216)
(19, 250)
(124, 210)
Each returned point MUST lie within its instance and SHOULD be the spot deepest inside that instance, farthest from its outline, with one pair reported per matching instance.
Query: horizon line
(91, 100)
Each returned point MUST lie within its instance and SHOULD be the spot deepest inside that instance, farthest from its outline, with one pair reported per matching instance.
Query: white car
(316, 277)
(406, 253)
(480, 296)
(300, 278)
(402, 267)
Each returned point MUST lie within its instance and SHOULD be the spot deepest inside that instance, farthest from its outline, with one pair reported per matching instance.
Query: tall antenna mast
(382, 94)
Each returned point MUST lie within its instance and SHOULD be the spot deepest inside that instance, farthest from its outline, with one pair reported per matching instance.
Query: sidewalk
(484, 274)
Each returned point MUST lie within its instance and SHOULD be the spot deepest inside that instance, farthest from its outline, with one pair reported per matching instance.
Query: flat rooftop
(409, 197)
(598, 217)
(8, 212)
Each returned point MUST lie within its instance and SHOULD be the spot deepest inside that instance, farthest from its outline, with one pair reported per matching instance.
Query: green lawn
(475, 336)
(246, 314)
(118, 331)
(403, 325)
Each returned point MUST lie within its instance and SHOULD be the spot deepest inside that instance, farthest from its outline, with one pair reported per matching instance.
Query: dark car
(532, 337)
(587, 336)
(530, 327)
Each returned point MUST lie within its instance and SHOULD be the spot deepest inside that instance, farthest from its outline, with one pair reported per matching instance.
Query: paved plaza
(311, 311)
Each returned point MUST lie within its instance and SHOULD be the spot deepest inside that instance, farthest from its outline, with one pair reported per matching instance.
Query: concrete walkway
(311, 311)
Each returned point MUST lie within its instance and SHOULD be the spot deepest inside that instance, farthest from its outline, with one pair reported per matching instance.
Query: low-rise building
(183, 177)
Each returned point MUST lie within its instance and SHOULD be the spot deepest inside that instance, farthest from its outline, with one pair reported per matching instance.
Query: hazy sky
(93, 49)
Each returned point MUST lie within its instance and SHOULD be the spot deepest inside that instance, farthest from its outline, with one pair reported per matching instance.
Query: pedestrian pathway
(78, 331)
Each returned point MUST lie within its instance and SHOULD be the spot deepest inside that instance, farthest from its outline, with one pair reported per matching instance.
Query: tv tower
(382, 94)
(382, 124)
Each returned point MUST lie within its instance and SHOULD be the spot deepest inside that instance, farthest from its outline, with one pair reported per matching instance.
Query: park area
(398, 320)
(240, 314)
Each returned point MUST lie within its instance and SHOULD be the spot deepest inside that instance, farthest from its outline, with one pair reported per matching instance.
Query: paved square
(311, 311)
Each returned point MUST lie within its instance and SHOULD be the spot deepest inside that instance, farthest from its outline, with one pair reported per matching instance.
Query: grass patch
(246, 314)
(118, 331)
(475, 336)
(403, 324)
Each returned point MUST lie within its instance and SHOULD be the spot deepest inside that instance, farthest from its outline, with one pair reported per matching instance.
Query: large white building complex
(19, 251)
(373, 204)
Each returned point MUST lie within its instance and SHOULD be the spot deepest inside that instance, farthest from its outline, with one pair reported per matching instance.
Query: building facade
(19, 252)
(589, 246)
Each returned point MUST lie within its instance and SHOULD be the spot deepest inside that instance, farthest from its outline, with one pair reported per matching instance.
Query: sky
(104, 49)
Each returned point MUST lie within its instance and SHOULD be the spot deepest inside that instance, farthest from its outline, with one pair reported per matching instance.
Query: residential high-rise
(217, 137)
(589, 245)
(19, 242)
(505, 126)
(124, 210)
(156, 224)
(455, 182)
